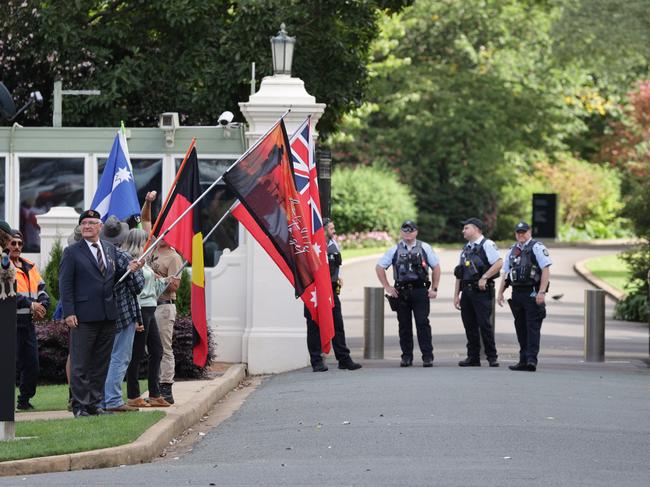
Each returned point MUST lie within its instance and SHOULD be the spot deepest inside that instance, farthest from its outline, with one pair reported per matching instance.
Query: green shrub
(184, 294)
(370, 198)
(51, 277)
(635, 305)
(589, 199)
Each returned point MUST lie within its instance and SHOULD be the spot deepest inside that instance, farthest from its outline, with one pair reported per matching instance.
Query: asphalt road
(568, 424)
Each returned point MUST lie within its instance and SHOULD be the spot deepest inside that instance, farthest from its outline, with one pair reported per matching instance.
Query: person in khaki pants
(165, 262)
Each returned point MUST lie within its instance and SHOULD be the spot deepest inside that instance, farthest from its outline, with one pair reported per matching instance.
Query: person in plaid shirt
(128, 317)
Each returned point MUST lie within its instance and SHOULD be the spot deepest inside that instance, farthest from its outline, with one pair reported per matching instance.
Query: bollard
(373, 323)
(594, 325)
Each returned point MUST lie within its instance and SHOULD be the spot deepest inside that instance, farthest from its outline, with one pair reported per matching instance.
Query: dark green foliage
(182, 343)
(369, 198)
(51, 277)
(189, 56)
(52, 339)
(635, 305)
(184, 295)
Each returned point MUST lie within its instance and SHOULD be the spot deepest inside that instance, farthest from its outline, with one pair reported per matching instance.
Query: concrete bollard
(594, 325)
(373, 323)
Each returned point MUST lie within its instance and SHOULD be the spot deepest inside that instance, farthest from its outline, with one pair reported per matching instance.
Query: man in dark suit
(89, 270)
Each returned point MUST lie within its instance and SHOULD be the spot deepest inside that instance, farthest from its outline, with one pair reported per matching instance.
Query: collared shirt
(386, 260)
(126, 292)
(93, 250)
(491, 250)
(539, 250)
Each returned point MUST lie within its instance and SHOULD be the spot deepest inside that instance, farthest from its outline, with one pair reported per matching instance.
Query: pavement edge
(581, 269)
(147, 446)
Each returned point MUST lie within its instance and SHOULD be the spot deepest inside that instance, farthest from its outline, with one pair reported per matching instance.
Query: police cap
(522, 227)
(474, 221)
(409, 226)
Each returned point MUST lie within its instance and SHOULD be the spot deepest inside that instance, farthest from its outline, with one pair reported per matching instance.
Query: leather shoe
(124, 408)
(98, 411)
(349, 364)
(493, 362)
(406, 362)
(81, 413)
(138, 402)
(319, 367)
(24, 406)
(518, 366)
(158, 402)
(427, 362)
(468, 362)
(531, 367)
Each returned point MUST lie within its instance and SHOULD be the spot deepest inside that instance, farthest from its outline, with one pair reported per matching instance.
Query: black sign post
(545, 215)
(7, 367)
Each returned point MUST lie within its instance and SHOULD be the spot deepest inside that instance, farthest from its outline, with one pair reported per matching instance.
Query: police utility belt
(473, 285)
(412, 285)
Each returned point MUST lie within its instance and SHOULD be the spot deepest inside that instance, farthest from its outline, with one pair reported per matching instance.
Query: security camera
(169, 121)
(225, 118)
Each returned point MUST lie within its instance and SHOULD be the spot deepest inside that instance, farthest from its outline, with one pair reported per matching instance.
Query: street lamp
(282, 49)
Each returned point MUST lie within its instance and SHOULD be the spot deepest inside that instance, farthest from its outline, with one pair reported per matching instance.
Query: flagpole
(171, 190)
(210, 188)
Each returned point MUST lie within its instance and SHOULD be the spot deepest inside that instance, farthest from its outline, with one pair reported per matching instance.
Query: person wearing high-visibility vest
(32, 303)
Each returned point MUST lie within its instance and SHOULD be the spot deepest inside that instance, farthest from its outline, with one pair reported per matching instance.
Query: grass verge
(351, 253)
(611, 269)
(55, 397)
(60, 436)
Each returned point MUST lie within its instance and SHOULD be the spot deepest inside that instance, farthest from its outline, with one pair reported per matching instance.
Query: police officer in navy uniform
(411, 260)
(341, 350)
(526, 270)
(480, 263)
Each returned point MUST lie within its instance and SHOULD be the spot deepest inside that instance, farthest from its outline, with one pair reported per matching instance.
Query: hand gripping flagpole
(210, 188)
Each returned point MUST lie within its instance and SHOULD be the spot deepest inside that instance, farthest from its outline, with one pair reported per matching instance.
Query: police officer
(341, 350)
(479, 265)
(411, 260)
(526, 269)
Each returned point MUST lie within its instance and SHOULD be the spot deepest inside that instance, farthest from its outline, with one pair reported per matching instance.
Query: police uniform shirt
(334, 247)
(540, 251)
(387, 259)
(491, 250)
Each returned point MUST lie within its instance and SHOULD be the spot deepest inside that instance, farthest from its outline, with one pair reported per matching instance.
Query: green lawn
(610, 269)
(55, 397)
(350, 253)
(60, 436)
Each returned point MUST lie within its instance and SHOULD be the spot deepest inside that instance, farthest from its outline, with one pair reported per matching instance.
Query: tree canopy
(189, 56)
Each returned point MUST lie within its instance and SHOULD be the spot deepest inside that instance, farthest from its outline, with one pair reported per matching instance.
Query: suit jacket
(84, 290)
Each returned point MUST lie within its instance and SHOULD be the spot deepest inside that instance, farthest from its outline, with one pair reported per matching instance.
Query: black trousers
(414, 303)
(341, 350)
(27, 367)
(528, 323)
(91, 345)
(476, 313)
(151, 338)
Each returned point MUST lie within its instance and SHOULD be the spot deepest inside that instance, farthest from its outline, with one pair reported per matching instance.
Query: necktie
(100, 260)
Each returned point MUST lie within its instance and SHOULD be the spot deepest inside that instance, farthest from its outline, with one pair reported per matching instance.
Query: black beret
(89, 214)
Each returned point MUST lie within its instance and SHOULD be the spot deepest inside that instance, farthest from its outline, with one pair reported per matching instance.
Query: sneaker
(427, 362)
(493, 362)
(166, 392)
(158, 402)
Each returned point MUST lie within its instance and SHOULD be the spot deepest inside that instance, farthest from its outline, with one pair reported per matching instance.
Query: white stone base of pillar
(275, 351)
(7, 430)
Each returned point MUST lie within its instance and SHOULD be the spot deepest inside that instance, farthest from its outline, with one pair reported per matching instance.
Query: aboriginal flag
(186, 237)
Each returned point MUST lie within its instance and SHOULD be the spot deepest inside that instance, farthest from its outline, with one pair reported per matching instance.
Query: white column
(58, 223)
(273, 336)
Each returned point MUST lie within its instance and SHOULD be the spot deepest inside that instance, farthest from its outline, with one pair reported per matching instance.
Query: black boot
(349, 364)
(166, 392)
